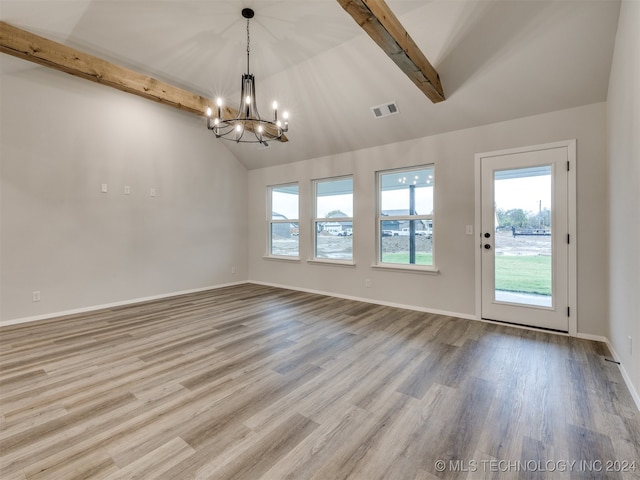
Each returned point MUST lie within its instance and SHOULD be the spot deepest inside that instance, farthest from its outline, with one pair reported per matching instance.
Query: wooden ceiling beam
(376, 18)
(34, 48)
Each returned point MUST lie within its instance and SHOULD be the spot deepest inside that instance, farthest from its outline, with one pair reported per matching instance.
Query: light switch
(152, 192)
(469, 230)
(103, 188)
(127, 190)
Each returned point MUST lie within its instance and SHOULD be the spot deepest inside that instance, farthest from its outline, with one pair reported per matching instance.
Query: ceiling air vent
(385, 110)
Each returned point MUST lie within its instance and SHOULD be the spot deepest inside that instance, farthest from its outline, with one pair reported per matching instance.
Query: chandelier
(247, 126)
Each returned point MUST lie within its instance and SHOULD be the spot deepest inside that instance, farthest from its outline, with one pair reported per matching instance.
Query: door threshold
(526, 327)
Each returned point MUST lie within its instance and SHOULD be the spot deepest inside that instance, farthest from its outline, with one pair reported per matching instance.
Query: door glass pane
(523, 236)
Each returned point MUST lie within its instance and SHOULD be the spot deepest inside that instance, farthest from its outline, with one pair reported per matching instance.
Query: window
(405, 216)
(333, 220)
(283, 220)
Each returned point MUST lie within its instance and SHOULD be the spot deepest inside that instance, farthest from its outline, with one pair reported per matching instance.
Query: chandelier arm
(254, 104)
(256, 130)
(239, 139)
(243, 93)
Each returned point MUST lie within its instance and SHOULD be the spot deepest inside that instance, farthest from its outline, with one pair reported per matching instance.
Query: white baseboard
(625, 376)
(586, 336)
(595, 338)
(368, 300)
(133, 301)
(616, 357)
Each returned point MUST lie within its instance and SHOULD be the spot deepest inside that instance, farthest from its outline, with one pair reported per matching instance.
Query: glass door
(524, 238)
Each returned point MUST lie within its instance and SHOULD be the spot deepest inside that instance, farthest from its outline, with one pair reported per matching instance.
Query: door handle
(487, 235)
(487, 246)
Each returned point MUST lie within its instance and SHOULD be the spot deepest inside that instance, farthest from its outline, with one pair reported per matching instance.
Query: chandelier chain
(248, 41)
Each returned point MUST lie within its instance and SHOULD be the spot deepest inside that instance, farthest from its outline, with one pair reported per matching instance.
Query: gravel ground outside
(338, 247)
(507, 244)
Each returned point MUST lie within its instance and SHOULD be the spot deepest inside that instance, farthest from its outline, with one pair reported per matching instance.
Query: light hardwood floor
(252, 382)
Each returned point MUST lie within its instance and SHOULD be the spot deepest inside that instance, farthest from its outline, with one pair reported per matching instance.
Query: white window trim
(271, 221)
(314, 220)
(328, 261)
(282, 258)
(379, 264)
(400, 267)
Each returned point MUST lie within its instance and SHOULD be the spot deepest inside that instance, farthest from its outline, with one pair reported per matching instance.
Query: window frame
(315, 220)
(279, 221)
(430, 218)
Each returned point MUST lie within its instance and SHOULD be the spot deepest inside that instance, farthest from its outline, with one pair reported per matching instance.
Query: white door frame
(570, 145)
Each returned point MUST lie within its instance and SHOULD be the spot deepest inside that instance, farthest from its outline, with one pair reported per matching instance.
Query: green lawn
(523, 274)
(422, 258)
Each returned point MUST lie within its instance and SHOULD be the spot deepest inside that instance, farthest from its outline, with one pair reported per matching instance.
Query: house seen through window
(334, 219)
(283, 220)
(405, 216)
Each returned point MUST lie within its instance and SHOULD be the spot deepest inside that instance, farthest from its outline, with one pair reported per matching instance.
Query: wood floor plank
(255, 382)
(317, 450)
(263, 454)
(428, 371)
(351, 459)
(155, 463)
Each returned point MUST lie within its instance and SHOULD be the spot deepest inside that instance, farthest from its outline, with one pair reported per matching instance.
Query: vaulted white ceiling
(497, 60)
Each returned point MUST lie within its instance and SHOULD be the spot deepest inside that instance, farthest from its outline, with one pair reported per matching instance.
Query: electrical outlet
(152, 192)
(36, 295)
(367, 283)
(103, 188)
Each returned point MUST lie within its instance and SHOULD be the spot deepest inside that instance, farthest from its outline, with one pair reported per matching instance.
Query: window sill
(281, 258)
(336, 263)
(407, 269)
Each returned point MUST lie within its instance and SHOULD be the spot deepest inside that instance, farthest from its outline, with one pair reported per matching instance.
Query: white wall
(61, 138)
(623, 115)
(453, 289)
